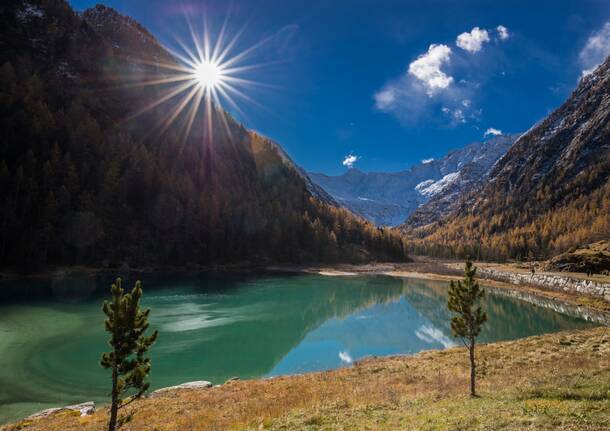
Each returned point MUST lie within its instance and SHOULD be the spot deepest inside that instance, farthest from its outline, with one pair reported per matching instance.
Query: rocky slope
(593, 258)
(389, 198)
(550, 192)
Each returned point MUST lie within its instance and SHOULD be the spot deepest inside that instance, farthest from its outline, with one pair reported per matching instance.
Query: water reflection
(417, 320)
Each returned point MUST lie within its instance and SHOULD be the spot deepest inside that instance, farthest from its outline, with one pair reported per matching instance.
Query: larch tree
(469, 317)
(127, 323)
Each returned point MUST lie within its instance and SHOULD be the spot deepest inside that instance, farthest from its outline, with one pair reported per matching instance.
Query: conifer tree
(126, 323)
(470, 317)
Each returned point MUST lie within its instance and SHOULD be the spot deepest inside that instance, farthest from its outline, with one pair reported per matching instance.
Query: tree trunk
(114, 408)
(472, 368)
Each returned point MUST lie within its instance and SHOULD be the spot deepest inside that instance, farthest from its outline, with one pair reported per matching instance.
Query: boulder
(199, 384)
(83, 409)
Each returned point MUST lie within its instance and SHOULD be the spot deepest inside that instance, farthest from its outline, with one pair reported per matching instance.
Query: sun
(205, 73)
(208, 74)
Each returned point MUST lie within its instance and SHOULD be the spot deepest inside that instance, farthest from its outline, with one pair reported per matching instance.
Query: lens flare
(204, 73)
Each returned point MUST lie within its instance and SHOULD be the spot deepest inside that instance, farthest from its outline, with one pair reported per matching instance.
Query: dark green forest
(82, 181)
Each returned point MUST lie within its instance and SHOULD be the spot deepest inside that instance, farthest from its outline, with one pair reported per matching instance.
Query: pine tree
(127, 324)
(470, 317)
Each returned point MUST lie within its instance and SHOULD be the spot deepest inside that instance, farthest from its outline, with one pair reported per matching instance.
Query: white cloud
(426, 161)
(436, 82)
(492, 131)
(350, 160)
(595, 50)
(345, 357)
(502, 32)
(473, 41)
(427, 68)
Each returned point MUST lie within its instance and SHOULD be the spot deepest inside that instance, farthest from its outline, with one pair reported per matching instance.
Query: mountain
(83, 180)
(388, 199)
(548, 194)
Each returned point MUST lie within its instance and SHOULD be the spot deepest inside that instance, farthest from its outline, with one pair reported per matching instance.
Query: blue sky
(394, 82)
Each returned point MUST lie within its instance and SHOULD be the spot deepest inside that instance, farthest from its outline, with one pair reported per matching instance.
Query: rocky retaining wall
(548, 281)
(598, 317)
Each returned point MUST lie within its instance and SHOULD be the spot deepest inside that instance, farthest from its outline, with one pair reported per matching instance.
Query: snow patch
(430, 188)
(550, 132)
(29, 11)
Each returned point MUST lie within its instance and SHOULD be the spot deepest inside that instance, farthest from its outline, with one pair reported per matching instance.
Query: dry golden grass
(557, 381)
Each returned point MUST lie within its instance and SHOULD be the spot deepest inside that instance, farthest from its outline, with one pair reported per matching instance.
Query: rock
(549, 281)
(44, 413)
(199, 384)
(594, 258)
(232, 379)
(84, 409)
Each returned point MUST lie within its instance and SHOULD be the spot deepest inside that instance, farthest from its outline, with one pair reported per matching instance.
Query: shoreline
(535, 381)
(420, 268)
(439, 270)
(428, 270)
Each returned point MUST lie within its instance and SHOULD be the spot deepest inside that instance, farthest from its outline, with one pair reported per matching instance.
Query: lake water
(213, 327)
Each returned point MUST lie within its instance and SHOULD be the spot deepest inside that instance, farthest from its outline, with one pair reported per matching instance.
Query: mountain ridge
(82, 183)
(390, 198)
(549, 193)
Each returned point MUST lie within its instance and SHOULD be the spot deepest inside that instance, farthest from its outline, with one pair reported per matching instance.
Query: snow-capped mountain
(388, 199)
(550, 192)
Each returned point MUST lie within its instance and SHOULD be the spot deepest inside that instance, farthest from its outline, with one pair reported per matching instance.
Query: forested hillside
(548, 194)
(82, 182)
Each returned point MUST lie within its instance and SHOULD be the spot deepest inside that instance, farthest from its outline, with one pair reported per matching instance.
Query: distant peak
(354, 171)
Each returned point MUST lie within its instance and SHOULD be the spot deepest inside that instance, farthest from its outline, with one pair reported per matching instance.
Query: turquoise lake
(217, 326)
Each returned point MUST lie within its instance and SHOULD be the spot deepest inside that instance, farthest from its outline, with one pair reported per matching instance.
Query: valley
(379, 248)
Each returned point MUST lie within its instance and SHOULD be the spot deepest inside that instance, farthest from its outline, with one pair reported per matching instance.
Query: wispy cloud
(350, 160)
(595, 50)
(472, 41)
(385, 98)
(492, 132)
(426, 161)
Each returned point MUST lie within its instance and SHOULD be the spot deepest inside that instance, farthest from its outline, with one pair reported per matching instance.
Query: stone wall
(549, 281)
(586, 313)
